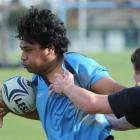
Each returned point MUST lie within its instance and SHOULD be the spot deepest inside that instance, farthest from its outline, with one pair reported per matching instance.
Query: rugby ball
(18, 94)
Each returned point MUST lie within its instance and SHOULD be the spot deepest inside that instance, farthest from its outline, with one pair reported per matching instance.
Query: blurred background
(106, 30)
(93, 25)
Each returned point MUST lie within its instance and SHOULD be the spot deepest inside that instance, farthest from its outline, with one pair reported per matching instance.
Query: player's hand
(3, 108)
(62, 82)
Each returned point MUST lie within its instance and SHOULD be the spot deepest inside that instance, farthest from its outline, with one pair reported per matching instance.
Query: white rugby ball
(18, 94)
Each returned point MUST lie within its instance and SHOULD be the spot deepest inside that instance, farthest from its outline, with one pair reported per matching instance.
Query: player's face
(34, 58)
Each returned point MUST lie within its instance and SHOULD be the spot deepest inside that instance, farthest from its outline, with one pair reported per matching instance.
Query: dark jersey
(127, 103)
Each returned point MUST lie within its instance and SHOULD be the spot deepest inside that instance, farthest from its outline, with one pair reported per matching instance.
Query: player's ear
(50, 49)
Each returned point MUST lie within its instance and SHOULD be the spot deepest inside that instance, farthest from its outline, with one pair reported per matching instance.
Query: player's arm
(109, 86)
(120, 124)
(84, 99)
(31, 115)
(87, 100)
(94, 103)
(4, 110)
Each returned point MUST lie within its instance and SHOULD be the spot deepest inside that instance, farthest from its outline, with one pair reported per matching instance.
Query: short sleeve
(125, 102)
(87, 70)
(90, 73)
(134, 119)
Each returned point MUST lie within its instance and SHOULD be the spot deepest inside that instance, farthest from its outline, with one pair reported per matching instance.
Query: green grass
(17, 128)
(118, 64)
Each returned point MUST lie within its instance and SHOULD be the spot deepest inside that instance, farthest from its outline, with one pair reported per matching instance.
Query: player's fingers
(50, 89)
(57, 75)
(67, 72)
(68, 75)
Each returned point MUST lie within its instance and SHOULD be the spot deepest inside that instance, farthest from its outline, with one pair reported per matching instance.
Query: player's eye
(28, 50)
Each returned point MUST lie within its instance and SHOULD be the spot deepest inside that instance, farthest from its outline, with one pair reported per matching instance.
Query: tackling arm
(119, 124)
(95, 103)
(86, 100)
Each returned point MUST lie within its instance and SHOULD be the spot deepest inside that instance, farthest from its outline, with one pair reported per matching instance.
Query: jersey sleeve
(87, 70)
(125, 102)
(134, 118)
(90, 72)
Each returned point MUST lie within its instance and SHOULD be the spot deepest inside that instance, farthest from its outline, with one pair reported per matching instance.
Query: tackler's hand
(62, 82)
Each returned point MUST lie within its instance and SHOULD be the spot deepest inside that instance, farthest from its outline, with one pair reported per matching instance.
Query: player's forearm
(4, 110)
(119, 124)
(87, 100)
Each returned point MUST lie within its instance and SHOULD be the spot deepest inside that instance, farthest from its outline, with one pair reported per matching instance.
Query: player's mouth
(24, 65)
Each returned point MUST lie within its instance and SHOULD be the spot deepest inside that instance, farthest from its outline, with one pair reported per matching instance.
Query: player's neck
(57, 68)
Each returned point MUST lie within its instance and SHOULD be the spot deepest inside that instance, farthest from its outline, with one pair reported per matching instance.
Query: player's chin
(29, 69)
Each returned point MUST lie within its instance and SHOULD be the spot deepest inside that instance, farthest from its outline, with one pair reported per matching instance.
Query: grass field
(17, 128)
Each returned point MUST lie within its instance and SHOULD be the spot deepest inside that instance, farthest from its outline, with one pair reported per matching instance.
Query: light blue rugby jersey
(61, 119)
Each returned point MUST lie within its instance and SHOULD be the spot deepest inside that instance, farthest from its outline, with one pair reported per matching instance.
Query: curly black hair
(135, 59)
(43, 27)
